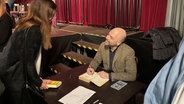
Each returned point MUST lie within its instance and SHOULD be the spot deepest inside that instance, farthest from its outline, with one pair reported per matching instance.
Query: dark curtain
(128, 13)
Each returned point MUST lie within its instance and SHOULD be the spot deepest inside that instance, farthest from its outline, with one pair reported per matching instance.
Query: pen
(95, 101)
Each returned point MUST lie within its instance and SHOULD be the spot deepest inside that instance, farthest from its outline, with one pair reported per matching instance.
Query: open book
(95, 78)
(54, 84)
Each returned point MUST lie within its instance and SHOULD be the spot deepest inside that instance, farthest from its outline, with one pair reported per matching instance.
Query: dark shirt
(6, 25)
(111, 54)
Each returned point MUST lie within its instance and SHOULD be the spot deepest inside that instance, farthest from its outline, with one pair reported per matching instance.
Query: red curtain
(97, 12)
(153, 14)
(61, 15)
(125, 13)
(145, 14)
(75, 11)
(70, 11)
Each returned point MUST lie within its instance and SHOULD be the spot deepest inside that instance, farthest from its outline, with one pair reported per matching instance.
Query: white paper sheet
(77, 96)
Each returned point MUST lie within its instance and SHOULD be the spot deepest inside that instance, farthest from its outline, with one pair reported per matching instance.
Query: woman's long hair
(40, 12)
(2, 7)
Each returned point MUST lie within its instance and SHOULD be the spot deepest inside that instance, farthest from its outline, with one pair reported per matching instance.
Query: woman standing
(31, 34)
(6, 25)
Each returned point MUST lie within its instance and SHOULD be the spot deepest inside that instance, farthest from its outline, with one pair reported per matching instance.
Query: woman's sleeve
(33, 46)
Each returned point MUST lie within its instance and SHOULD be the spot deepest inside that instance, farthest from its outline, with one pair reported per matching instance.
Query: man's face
(111, 39)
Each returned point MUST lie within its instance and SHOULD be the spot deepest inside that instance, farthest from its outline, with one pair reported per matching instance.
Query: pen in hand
(90, 70)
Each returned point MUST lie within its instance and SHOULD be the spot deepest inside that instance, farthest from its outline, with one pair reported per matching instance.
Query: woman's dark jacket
(6, 25)
(14, 73)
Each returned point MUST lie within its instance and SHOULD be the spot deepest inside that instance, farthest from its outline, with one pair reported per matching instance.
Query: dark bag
(34, 89)
(31, 93)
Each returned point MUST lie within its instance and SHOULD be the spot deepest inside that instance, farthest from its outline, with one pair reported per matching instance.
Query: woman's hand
(44, 83)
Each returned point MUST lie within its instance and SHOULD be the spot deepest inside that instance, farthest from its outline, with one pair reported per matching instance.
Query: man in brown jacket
(117, 57)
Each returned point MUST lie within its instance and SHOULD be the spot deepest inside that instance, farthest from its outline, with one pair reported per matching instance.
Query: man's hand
(104, 74)
(90, 71)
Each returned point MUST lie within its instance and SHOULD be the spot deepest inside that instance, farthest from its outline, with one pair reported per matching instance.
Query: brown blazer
(124, 64)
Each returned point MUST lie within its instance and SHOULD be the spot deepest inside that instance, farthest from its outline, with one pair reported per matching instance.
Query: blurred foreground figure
(164, 86)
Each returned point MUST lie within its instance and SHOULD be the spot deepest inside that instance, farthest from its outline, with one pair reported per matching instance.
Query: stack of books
(54, 84)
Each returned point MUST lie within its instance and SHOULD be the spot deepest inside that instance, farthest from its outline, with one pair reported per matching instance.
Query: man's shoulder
(127, 47)
(102, 44)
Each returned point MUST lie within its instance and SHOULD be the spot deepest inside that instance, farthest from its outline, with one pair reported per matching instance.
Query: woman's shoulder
(34, 31)
(34, 28)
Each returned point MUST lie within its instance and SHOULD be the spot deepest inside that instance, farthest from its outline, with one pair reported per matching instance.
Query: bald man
(117, 57)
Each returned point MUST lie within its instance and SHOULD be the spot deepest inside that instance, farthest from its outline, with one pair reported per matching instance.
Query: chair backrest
(165, 40)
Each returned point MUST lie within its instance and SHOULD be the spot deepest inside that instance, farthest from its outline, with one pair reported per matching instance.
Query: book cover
(95, 78)
(118, 85)
(54, 84)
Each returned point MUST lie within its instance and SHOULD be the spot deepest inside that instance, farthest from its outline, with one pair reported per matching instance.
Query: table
(105, 94)
(61, 43)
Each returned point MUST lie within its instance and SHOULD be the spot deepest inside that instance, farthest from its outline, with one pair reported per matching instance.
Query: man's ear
(118, 43)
